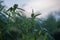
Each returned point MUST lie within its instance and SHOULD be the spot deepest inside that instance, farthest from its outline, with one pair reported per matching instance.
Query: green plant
(18, 27)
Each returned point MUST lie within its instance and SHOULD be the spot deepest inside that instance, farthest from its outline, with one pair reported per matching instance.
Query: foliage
(14, 26)
(58, 23)
(50, 24)
(1, 6)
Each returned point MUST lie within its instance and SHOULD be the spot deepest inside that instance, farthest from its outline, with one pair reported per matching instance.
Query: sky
(41, 6)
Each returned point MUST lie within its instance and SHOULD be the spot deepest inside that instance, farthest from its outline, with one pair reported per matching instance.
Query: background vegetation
(16, 26)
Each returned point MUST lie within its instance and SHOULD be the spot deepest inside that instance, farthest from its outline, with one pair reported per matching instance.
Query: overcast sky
(43, 6)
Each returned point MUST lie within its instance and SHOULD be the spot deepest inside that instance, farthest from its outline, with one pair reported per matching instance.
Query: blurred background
(29, 19)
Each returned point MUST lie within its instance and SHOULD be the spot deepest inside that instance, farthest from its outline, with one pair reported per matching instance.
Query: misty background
(44, 7)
